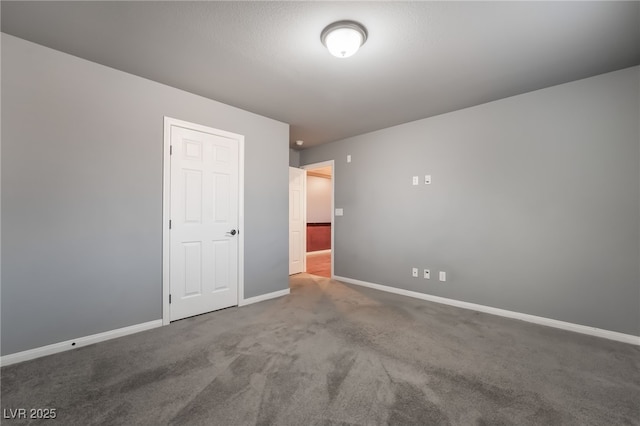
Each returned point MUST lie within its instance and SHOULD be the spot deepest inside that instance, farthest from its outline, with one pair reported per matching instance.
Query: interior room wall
(534, 205)
(318, 199)
(82, 195)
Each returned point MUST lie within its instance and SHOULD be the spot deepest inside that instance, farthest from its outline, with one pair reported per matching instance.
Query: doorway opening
(320, 219)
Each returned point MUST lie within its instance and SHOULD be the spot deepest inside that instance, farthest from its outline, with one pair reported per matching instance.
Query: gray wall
(534, 205)
(82, 195)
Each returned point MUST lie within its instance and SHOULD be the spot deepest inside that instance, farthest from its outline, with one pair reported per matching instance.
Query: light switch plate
(348, 158)
(443, 276)
(339, 212)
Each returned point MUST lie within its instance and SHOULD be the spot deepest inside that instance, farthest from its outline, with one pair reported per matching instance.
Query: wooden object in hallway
(318, 236)
(319, 263)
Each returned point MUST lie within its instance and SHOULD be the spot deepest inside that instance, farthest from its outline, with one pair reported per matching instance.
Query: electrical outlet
(414, 272)
(443, 276)
(416, 180)
(427, 274)
(427, 179)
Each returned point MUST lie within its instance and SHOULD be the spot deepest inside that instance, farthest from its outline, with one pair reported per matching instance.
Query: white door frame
(333, 192)
(166, 207)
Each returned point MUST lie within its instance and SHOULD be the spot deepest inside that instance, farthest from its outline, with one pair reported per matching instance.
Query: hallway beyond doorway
(319, 263)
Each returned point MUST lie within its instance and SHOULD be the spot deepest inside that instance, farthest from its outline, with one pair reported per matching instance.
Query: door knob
(232, 232)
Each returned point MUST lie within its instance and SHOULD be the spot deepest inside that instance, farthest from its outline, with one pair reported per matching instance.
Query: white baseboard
(77, 343)
(262, 297)
(319, 251)
(584, 329)
(107, 335)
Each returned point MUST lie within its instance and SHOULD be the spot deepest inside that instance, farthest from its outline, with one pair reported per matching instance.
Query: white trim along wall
(108, 335)
(76, 343)
(264, 297)
(583, 329)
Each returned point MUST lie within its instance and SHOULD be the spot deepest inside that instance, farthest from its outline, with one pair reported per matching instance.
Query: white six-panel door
(204, 220)
(297, 220)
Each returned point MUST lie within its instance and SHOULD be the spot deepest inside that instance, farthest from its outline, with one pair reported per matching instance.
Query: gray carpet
(335, 354)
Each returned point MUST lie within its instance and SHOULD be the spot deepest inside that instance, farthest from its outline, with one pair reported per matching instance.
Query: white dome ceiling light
(343, 38)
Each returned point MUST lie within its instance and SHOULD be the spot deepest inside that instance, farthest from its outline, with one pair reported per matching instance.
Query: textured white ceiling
(421, 58)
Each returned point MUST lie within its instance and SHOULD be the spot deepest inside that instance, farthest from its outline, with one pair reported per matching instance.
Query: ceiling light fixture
(299, 142)
(343, 38)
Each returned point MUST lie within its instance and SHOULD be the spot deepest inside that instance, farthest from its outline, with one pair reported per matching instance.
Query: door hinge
(169, 223)
(170, 149)
(169, 299)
